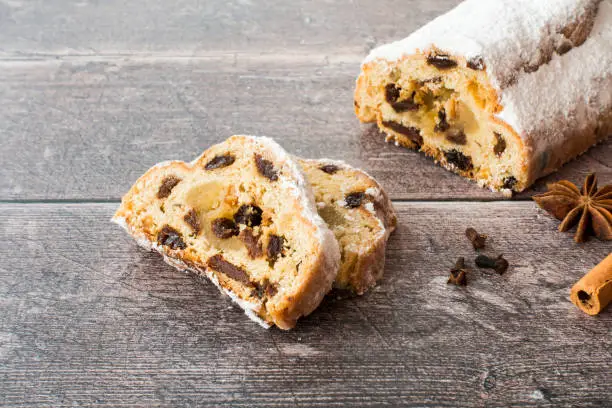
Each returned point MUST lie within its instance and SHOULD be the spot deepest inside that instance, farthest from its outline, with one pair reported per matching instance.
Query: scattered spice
(458, 273)
(477, 240)
(589, 207)
(499, 264)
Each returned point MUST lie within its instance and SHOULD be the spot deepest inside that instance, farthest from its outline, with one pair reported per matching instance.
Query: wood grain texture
(83, 129)
(186, 28)
(87, 318)
(92, 93)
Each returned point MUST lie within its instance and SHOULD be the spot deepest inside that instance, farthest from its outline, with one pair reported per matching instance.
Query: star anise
(590, 208)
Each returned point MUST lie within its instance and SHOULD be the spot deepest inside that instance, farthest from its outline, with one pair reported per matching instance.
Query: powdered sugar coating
(300, 188)
(516, 33)
(578, 87)
(515, 39)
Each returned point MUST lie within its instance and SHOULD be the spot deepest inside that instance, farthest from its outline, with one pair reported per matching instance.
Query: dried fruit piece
(219, 264)
(406, 105)
(167, 185)
(458, 273)
(510, 182)
(170, 237)
(220, 161)
(266, 168)
(442, 125)
(265, 289)
(590, 208)
(392, 93)
(354, 200)
(224, 228)
(477, 240)
(456, 136)
(500, 146)
(191, 218)
(275, 247)
(458, 159)
(271, 290)
(249, 215)
(329, 168)
(252, 243)
(410, 132)
(499, 264)
(441, 61)
(433, 80)
(476, 63)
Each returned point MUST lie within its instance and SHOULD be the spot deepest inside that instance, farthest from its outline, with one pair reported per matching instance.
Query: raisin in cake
(361, 216)
(243, 215)
(500, 91)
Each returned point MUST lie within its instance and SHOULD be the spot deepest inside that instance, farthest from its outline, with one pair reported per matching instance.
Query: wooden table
(92, 93)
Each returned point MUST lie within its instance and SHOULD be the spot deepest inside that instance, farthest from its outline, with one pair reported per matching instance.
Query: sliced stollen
(500, 91)
(360, 214)
(243, 215)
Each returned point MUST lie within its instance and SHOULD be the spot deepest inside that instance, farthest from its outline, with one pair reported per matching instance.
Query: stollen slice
(243, 215)
(360, 214)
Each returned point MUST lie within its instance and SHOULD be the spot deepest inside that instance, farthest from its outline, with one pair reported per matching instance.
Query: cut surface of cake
(500, 91)
(243, 215)
(360, 214)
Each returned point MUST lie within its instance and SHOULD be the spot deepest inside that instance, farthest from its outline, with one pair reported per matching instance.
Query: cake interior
(224, 215)
(347, 199)
(443, 106)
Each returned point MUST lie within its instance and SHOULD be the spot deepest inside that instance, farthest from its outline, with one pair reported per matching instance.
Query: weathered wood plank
(88, 318)
(83, 129)
(192, 27)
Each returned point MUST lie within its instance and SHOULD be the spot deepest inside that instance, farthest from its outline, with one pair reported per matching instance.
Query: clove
(499, 264)
(477, 240)
(458, 273)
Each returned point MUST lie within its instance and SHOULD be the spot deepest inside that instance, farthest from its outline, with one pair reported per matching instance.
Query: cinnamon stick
(593, 292)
